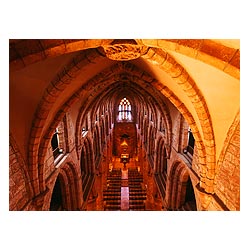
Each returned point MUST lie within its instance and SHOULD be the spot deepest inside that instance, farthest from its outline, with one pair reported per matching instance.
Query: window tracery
(124, 110)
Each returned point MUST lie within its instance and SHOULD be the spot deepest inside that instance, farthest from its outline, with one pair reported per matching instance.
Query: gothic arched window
(124, 110)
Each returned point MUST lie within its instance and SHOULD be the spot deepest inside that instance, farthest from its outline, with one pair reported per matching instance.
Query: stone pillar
(150, 188)
(158, 205)
(39, 201)
(91, 204)
(203, 200)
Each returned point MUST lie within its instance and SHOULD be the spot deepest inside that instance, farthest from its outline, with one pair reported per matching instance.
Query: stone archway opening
(56, 203)
(180, 192)
(189, 202)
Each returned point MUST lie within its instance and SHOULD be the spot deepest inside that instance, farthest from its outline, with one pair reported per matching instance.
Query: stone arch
(87, 166)
(182, 78)
(93, 103)
(57, 201)
(211, 52)
(178, 177)
(102, 132)
(151, 144)
(96, 144)
(145, 130)
(106, 121)
(52, 92)
(86, 160)
(70, 188)
(161, 151)
(161, 168)
(60, 114)
(37, 142)
(224, 58)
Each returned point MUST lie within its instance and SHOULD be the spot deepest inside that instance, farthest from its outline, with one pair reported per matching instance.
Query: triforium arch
(161, 165)
(87, 166)
(162, 155)
(178, 182)
(86, 160)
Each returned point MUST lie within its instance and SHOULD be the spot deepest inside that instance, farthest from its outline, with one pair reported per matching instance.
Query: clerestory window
(191, 141)
(124, 110)
(56, 145)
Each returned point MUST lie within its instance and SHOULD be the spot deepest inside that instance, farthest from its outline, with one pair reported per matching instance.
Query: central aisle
(124, 191)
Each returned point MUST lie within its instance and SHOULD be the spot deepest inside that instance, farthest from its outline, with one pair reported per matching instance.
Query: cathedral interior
(124, 125)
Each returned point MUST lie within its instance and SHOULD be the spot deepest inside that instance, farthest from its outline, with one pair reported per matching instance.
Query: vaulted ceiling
(200, 77)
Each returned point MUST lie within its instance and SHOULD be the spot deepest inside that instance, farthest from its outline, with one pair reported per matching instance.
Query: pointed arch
(70, 194)
(207, 153)
(177, 183)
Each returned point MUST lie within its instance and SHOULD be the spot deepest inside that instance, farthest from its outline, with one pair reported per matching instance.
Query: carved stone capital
(124, 51)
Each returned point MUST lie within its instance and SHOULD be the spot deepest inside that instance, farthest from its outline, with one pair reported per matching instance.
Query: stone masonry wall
(66, 142)
(228, 177)
(18, 189)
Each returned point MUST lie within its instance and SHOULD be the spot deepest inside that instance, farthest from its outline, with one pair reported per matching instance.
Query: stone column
(150, 189)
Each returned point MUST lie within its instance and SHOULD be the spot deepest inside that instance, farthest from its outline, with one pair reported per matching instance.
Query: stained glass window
(124, 110)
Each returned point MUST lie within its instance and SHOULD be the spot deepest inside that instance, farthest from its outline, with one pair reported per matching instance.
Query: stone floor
(124, 185)
(124, 190)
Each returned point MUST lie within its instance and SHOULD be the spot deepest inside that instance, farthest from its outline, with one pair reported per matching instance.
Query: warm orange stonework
(71, 89)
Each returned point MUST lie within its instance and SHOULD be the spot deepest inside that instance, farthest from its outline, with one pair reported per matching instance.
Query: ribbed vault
(90, 78)
(109, 83)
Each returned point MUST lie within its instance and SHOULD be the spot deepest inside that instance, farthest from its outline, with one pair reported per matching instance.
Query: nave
(170, 106)
(125, 188)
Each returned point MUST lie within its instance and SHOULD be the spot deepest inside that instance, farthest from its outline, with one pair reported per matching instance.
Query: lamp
(124, 159)
(124, 152)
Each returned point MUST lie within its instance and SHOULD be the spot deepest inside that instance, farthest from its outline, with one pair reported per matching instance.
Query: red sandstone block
(176, 71)
(217, 50)
(235, 61)
(149, 54)
(236, 140)
(233, 149)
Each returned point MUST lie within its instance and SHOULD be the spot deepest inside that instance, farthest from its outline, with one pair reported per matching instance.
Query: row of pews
(137, 194)
(112, 195)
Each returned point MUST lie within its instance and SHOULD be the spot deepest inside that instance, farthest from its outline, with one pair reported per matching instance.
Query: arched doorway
(56, 203)
(180, 192)
(190, 202)
(87, 174)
